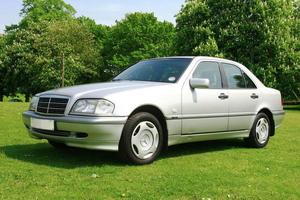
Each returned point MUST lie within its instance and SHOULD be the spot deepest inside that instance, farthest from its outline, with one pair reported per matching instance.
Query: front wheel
(260, 132)
(141, 140)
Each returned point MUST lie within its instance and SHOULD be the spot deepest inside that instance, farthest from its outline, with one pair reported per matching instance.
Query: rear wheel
(260, 132)
(141, 140)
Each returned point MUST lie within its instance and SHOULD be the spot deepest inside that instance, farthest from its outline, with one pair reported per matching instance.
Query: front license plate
(44, 124)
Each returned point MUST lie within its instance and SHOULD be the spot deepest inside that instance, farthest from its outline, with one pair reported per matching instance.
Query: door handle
(254, 96)
(223, 96)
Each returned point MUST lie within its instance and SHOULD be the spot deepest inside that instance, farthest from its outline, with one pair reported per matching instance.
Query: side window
(234, 76)
(211, 71)
(249, 82)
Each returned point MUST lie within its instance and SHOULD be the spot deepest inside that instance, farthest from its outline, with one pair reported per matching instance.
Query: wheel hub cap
(144, 140)
(262, 130)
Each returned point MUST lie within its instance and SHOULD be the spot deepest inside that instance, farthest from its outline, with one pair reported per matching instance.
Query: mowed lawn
(32, 169)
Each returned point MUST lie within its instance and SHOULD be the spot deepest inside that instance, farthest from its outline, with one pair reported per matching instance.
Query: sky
(102, 11)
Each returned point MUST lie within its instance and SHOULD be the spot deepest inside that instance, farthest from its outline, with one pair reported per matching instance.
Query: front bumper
(101, 133)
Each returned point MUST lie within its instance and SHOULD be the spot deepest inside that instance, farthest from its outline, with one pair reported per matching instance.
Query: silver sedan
(157, 103)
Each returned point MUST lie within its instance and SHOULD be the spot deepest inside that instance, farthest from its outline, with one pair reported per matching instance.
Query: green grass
(32, 169)
(18, 96)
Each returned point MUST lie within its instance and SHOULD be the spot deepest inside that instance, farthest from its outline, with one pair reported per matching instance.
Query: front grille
(51, 105)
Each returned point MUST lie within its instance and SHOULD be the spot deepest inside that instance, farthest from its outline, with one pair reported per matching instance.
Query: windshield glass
(166, 70)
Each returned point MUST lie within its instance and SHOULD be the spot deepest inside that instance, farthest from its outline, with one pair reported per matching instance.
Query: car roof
(198, 58)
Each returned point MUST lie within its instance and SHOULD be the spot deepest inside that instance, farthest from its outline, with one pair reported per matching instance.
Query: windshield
(166, 70)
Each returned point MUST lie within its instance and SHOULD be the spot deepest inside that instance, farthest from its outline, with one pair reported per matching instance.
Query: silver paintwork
(179, 139)
(104, 133)
(199, 83)
(191, 114)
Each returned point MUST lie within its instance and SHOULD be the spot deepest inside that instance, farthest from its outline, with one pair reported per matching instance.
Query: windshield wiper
(124, 80)
(117, 80)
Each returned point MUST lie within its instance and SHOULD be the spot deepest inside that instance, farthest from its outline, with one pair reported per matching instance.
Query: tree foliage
(45, 10)
(47, 48)
(260, 34)
(50, 44)
(100, 35)
(139, 36)
(2, 67)
(73, 52)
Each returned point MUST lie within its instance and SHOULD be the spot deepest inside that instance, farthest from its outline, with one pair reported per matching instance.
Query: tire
(57, 145)
(260, 131)
(142, 139)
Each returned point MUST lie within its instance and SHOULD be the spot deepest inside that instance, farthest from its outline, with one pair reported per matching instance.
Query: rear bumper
(101, 133)
(278, 117)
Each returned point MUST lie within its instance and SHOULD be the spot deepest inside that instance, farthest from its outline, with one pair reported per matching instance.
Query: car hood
(96, 90)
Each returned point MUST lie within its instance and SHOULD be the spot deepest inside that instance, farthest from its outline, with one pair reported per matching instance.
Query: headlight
(33, 103)
(92, 107)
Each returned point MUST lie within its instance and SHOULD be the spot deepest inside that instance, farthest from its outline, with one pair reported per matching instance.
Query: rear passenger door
(243, 98)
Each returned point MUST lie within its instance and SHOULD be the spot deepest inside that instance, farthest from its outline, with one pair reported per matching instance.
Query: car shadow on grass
(45, 154)
(69, 158)
(203, 147)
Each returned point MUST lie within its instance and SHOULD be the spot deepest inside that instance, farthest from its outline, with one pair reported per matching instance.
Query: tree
(296, 42)
(259, 34)
(47, 49)
(138, 36)
(51, 54)
(99, 31)
(2, 67)
(100, 35)
(45, 10)
(17, 60)
(34, 11)
(73, 51)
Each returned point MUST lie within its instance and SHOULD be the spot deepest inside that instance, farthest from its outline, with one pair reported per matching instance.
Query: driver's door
(205, 110)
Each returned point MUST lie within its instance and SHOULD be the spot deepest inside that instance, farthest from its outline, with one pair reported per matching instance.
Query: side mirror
(199, 83)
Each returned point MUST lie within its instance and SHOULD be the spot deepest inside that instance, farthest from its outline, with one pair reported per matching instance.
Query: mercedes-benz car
(157, 103)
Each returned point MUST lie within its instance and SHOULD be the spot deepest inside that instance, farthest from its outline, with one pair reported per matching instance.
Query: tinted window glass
(209, 70)
(234, 76)
(157, 70)
(249, 82)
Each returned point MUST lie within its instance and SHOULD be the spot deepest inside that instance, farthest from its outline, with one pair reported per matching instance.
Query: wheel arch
(270, 115)
(159, 115)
